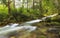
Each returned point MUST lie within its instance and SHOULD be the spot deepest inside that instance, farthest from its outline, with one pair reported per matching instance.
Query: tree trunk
(33, 4)
(9, 10)
(27, 5)
(40, 8)
(58, 7)
(13, 3)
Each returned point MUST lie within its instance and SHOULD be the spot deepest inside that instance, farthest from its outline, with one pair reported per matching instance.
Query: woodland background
(28, 10)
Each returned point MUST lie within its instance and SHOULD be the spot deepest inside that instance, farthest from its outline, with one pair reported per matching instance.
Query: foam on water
(44, 18)
(53, 15)
(38, 20)
(34, 21)
(14, 27)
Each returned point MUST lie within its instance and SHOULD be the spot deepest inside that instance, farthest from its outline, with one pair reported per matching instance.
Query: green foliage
(4, 2)
(47, 6)
(3, 13)
(3, 9)
(21, 14)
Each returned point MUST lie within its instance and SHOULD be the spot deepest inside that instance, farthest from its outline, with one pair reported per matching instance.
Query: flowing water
(12, 28)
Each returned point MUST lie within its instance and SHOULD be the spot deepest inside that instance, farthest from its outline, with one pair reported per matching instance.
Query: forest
(20, 11)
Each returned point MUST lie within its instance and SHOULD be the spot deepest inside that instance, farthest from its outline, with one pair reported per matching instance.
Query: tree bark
(13, 3)
(33, 4)
(9, 10)
(40, 8)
